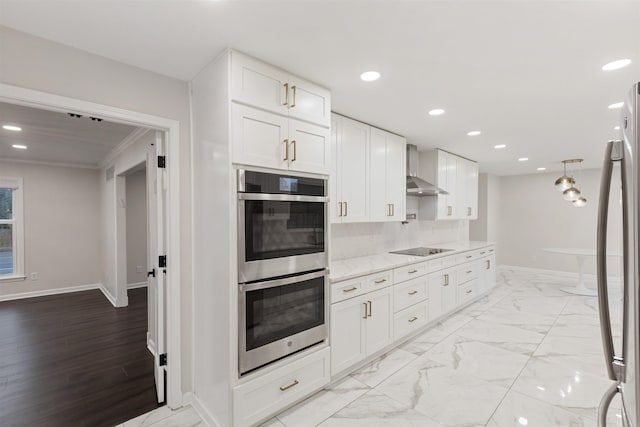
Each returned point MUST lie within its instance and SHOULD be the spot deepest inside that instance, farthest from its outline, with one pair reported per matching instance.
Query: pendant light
(565, 181)
(580, 202)
(571, 194)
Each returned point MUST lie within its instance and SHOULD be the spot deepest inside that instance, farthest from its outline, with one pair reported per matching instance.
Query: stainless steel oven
(280, 316)
(282, 225)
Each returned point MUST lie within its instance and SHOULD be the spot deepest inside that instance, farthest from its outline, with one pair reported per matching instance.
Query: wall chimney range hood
(418, 186)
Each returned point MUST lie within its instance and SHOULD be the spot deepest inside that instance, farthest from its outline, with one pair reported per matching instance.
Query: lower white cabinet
(411, 319)
(466, 291)
(267, 394)
(487, 273)
(442, 292)
(360, 326)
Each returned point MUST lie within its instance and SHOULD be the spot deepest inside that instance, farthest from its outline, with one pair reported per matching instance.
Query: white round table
(581, 255)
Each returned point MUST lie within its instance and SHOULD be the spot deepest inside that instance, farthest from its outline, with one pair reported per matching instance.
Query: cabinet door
(334, 175)
(472, 189)
(397, 176)
(353, 173)
(379, 204)
(435, 283)
(443, 209)
(258, 84)
(309, 147)
(487, 273)
(452, 186)
(347, 333)
(449, 291)
(259, 138)
(379, 323)
(463, 210)
(308, 101)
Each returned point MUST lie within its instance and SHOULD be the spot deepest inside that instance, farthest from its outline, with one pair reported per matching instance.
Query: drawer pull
(482, 253)
(370, 308)
(350, 289)
(491, 250)
(446, 280)
(469, 256)
(412, 271)
(413, 319)
(366, 310)
(287, 387)
(377, 282)
(469, 291)
(469, 271)
(413, 292)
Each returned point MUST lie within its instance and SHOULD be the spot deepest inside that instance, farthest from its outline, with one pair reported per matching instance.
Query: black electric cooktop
(421, 251)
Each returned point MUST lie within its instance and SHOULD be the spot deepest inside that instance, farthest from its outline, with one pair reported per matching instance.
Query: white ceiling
(57, 137)
(526, 73)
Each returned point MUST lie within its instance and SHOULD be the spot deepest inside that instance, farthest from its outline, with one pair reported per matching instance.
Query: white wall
(35, 63)
(533, 216)
(359, 239)
(61, 227)
(136, 206)
(486, 227)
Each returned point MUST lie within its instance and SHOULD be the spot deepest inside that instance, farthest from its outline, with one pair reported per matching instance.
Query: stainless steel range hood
(417, 186)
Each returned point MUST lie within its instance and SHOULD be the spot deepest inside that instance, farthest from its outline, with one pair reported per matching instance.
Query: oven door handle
(281, 197)
(246, 287)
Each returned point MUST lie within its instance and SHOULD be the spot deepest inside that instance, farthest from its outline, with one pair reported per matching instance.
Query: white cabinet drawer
(410, 292)
(467, 291)
(440, 263)
(410, 319)
(467, 257)
(466, 272)
(409, 272)
(265, 395)
(341, 291)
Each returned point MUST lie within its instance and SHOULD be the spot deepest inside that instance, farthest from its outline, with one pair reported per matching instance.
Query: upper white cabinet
(278, 120)
(456, 175)
(266, 87)
(368, 175)
(388, 176)
(349, 197)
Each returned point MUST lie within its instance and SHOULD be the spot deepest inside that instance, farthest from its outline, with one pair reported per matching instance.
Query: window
(11, 228)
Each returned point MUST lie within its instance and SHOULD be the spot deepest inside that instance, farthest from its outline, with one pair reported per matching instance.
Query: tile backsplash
(359, 239)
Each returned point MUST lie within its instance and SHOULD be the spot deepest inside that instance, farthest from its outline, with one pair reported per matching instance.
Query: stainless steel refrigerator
(623, 368)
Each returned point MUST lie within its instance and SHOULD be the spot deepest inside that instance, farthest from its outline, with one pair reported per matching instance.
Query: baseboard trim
(45, 292)
(137, 285)
(108, 296)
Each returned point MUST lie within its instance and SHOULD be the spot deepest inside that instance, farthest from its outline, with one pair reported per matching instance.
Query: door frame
(171, 128)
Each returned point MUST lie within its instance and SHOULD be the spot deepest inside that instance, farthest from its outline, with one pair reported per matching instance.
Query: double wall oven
(282, 265)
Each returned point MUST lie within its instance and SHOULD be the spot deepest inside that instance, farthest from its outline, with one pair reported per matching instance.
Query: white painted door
(379, 204)
(353, 170)
(258, 84)
(397, 176)
(347, 333)
(309, 102)
(309, 147)
(156, 189)
(379, 323)
(260, 138)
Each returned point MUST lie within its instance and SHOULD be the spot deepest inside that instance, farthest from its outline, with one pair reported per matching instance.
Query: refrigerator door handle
(603, 409)
(601, 261)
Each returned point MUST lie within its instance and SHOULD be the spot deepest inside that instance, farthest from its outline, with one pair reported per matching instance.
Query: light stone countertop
(349, 268)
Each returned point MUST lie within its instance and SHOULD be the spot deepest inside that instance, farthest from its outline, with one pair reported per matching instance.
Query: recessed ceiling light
(616, 128)
(19, 147)
(523, 159)
(616, 65)
(616, 105)
(11, 127)
(499, 146)
(370, 76)
(474, 133)
(436, 112)
(541, 169)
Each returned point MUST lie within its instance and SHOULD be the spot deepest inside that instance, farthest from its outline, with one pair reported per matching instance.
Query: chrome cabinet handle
(286, 94)
(412, 292)
(287, 387)
(286, 149)
(350, 289)
(377, 282)
(293, 142)
(601, 257)
(294, 96)
(413, 319)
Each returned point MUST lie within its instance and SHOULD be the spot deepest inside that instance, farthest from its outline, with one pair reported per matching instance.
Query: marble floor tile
(535, 305)
(562, 386)
(273, 422)
(519, 410)
(506, 337)
(376, 409)
(478, 359)
(533, 322)
(442, 394)
(152, 417)
(435, 334)
(380, 369)
(323, 404)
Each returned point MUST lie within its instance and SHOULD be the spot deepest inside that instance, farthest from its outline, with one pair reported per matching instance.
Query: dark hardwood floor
(74, 360)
